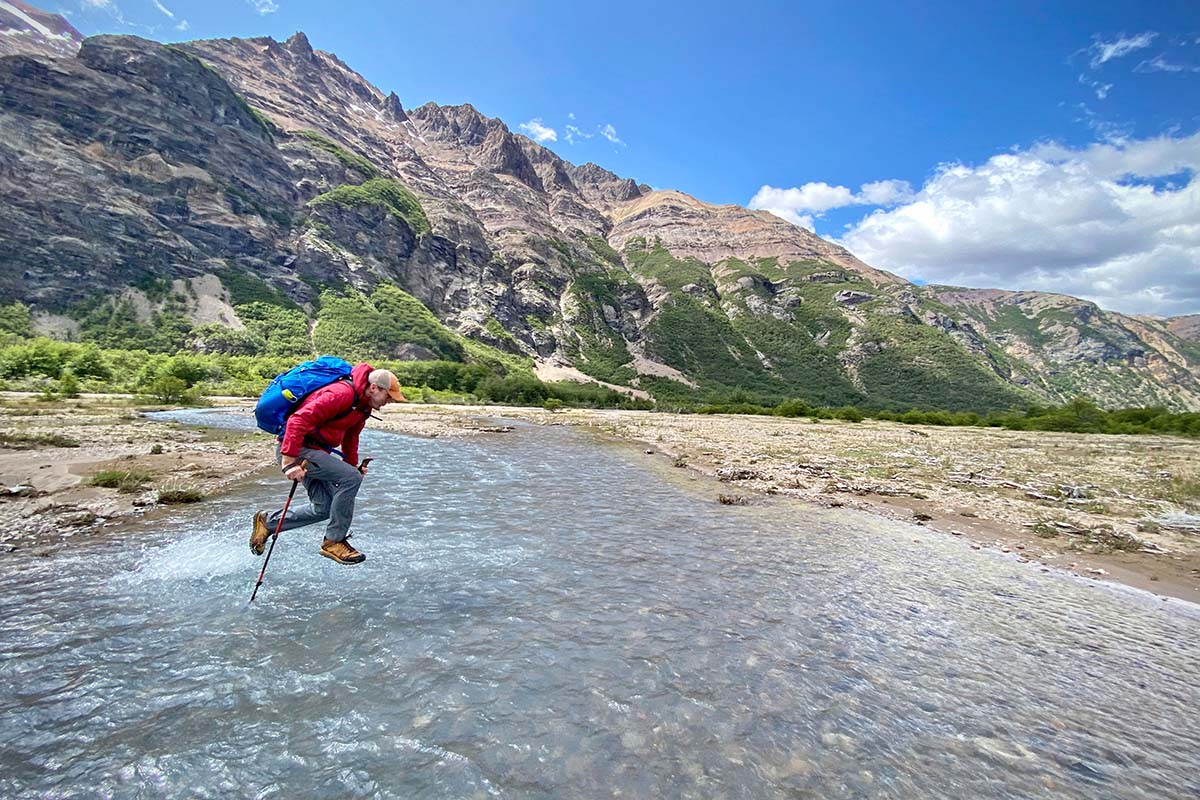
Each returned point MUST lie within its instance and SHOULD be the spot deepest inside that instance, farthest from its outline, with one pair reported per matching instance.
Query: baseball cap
(384, 379)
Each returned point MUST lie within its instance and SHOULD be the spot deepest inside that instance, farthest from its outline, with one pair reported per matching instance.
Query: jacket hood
(358, 377)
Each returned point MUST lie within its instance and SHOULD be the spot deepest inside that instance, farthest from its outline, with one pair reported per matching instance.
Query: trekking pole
(274, 536)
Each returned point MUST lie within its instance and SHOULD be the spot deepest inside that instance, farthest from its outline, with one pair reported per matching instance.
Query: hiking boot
(260, 533)
(342, 552)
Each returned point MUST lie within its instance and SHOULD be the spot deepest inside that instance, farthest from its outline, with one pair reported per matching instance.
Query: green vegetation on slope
(602, 351)
(349, 159)
(917, 366)
(384, 193)
(656, 263)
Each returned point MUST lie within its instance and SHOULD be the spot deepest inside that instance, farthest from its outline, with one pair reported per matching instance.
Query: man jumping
(331, 417)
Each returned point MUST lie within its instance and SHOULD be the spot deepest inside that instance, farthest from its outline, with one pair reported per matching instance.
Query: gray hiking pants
(332, 485)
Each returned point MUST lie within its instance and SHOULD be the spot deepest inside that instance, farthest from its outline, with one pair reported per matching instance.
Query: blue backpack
(286, 392)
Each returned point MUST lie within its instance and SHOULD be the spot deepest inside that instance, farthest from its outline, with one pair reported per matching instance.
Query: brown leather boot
(259, 534)
(342, 552)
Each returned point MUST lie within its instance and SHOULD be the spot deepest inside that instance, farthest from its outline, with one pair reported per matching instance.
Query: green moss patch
(384, 193)
(350, 160)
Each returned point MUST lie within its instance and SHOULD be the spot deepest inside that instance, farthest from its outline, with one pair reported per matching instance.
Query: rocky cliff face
(25, 29)
(1187, 327)
(136, 163)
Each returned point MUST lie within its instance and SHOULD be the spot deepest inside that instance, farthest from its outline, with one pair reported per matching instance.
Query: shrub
(174, 495)
(849, 414)
(123, 480)
(68, 384)
(15, 319)
(216, 338)
(29, 441)
(167, 389)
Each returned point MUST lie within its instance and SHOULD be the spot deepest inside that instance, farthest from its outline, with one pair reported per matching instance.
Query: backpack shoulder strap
(353, 403)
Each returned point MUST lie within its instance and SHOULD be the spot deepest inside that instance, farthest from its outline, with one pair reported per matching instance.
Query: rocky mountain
(214, 176)
(1187, 327)
(25, 29)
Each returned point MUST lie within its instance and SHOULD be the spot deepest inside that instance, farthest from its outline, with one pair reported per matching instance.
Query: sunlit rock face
(131, 163)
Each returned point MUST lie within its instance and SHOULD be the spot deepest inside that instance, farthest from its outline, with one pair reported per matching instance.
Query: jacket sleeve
(316, 409)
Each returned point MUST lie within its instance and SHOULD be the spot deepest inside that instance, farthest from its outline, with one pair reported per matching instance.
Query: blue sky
(1048, 146)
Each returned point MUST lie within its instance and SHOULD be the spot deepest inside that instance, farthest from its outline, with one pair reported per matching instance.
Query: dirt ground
(1119, 508)
(51, 451)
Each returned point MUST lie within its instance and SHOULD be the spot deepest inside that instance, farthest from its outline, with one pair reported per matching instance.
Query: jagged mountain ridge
(25, 29)
(571, 264)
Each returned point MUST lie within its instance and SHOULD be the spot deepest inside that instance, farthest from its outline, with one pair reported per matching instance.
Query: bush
(216, 338)
(175, 495)
(167, 389)
(122, 480)
(792, 408)
(525, 390)
(29, 441)
(68, 385)
(15, 319)
(849, 414)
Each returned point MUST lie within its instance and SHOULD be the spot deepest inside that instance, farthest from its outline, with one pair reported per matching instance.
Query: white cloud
(1115, 223)
(572, 133)
(884, 193)
(113, 10)
(1101, 89)
(1160, 64)
(264, 7)
(535, 130)
(183, 25)
(163, 9)
(1103, 51)
(819, 197)
(610, 133)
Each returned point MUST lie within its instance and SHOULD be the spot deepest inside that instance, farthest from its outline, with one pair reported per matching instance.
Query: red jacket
(322, 418)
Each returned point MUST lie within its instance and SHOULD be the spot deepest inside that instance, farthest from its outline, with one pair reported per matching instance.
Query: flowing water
(540, 616)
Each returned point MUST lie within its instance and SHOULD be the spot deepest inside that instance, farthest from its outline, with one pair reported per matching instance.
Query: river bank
(1115, 508)
(52, 454)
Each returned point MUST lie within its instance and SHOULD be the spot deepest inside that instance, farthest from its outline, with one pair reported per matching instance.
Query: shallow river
(542, 616)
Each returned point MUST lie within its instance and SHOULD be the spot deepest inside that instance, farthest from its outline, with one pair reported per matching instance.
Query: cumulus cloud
(884, 193)
(183, 25)
(1103, 51)
(1115, 223)
(535, 130)
(800, 204)
(264, 7)
(610, 133)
